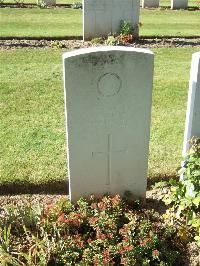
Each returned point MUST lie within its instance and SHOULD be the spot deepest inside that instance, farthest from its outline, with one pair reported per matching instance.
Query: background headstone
(179, 4)
(102, 17)
(48, 2)
(150, 3)
(192, 127)
(108, 108)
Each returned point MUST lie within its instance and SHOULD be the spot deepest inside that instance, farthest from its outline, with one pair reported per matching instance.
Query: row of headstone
(103, 17)
(108, 111)
(175, 4)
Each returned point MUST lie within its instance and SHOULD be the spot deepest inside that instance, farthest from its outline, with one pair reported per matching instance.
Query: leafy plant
(125, 28)
(57, 44)
(184, 195)
(77, 5)
(5, 237)
(97, 41)
(112, 40)
(41, 4)
(125, 35)
(106, 231)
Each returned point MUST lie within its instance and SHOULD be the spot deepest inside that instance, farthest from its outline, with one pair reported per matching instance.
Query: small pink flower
(155, 253)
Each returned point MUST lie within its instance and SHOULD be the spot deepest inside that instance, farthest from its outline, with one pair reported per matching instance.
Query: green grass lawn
(168, 2)
(40, 22)
(32, 130)
(68, 22)
(162, 2)
(35, 1)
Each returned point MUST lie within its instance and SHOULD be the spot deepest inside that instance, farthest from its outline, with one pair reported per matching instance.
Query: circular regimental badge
(109, 84)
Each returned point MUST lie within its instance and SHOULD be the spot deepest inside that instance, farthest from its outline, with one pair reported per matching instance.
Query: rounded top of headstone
(106, 49)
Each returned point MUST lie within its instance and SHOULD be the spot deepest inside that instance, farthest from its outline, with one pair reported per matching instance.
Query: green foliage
(119, 39)
(112, 40)
(41, 4)
(124, 36)
(97, 41)
(184, 195)
(125, 28)
(77, 5)
(106, 231)
(57, 44)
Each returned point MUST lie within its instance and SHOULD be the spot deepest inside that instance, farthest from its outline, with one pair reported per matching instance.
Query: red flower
(61, 218)
(89, 240)
(94, 206)
(110, 235)
(106, 256)
(155, 253)
(116, 200)
(100, 235)
(93, 220)
(102, 206)
(145, 242)
(125, 249)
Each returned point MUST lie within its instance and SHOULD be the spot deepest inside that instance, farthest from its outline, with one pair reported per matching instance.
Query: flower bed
(107, 231)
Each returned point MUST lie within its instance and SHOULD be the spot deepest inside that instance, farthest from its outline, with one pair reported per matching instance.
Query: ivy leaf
(197, 239)
(196, 201)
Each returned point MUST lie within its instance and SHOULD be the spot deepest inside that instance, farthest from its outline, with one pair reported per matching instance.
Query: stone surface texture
(192, 126)
(102, 17)
(179, 4)
(108, 94)
(150, 3)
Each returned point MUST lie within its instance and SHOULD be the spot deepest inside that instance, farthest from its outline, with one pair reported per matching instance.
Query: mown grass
(57, 22)
(40, 22)
(162, 2)
(170, 22)
(32, 114)
(35, 1)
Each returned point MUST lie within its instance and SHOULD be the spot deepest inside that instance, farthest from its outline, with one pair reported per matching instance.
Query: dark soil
(7, 44)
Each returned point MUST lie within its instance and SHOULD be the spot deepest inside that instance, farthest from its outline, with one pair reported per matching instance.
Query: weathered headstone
(102, 17)
(192, 126)
(150, 3)
(108, 107)
(179, 4)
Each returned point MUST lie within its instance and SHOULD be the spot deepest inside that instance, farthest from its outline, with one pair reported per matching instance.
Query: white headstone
(150, 3)
(102, 17)
(179, 4)
(192, 126)
(46, 2)
(108, 108)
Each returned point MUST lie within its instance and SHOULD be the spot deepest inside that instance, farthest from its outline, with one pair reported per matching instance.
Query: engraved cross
(108, 153)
